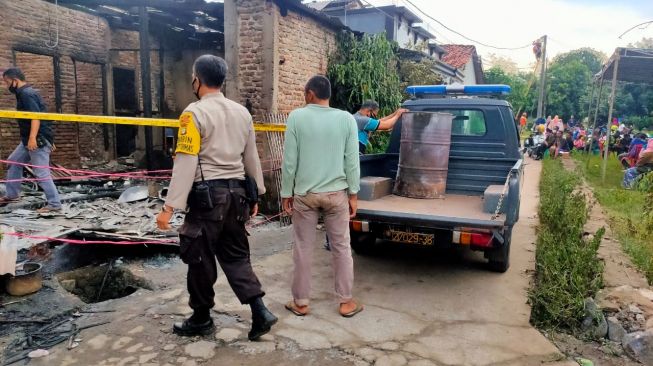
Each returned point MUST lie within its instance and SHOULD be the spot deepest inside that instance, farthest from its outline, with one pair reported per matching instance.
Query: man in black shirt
(36, 143)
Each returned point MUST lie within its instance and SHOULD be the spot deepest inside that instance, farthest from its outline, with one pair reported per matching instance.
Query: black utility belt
(200, 195)
(221, 183)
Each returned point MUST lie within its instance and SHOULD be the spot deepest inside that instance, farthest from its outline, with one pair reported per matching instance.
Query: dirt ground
(422, 308)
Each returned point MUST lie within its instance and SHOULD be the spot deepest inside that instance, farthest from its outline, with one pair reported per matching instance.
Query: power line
(638, 25)
(462, 35)
(377, 9)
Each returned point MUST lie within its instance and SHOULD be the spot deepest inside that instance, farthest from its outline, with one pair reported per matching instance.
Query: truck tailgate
(452, 210)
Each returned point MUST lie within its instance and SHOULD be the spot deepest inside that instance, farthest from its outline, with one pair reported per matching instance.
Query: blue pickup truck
(480, 205)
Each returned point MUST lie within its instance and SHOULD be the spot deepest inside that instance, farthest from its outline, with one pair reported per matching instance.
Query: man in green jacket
(321, 174)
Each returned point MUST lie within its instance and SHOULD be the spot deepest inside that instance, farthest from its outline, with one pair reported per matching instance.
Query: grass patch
(625, 210)
(567, 268)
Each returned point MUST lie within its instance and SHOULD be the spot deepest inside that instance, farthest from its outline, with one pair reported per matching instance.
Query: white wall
(470, 75)
(403, 35)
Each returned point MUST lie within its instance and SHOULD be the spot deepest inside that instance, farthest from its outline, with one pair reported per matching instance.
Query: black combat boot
(262, 319)
(200, 323)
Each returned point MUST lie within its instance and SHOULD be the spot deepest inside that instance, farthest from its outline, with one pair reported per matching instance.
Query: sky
(569, 24)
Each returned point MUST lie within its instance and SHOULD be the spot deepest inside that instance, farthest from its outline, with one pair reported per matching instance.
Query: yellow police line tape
(134, 121)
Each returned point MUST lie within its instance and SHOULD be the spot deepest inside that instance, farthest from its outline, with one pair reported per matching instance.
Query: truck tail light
(482, 239)
(465, 237)
(361, 226)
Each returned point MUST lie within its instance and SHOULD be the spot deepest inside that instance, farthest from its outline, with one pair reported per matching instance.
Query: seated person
(623, 144)
(540, 149)
(558, 142)
(643, 166)
(579, 144)
(629, 159)
(566, 144)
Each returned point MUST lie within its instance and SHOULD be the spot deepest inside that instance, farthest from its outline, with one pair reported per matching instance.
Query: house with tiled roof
(399, 23)
(465, 59)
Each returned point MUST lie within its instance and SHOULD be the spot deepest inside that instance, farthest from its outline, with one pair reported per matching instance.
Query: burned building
(85, 58)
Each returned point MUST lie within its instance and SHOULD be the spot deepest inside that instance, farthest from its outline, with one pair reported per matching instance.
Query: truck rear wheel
(499, 258)
(362, 244)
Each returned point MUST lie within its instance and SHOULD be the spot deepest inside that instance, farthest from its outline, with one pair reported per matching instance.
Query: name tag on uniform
(188, 139)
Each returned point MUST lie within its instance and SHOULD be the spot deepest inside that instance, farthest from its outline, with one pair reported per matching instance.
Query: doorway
(126, 104)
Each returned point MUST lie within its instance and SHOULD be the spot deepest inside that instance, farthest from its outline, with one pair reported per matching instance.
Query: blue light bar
(484, 89)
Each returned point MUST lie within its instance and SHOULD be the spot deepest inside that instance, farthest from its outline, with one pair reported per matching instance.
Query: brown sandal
(296, 309)
(359, 307)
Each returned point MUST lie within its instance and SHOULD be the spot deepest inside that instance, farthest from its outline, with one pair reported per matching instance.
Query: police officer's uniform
(216, 145)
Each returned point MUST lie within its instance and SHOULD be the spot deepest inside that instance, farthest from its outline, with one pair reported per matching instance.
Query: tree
(643, 43)
(522, 96)
(418, 73)
(589, 57)
(567, 85)
(364, 68)
(569, 79)
(504, 63)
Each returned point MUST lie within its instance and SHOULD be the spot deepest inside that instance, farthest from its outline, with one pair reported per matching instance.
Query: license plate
(410, 238)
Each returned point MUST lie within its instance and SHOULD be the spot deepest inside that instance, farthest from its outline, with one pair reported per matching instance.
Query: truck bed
(452, 209)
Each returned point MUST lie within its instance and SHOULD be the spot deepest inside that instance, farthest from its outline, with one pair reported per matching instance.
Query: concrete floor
(422, 308)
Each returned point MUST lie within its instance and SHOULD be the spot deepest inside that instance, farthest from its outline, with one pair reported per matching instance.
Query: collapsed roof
(181, 21)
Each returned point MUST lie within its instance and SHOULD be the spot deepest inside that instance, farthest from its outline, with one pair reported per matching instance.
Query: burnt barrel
(423, 155)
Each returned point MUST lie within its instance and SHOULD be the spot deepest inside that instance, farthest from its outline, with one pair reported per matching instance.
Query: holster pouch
(200, 197)
(251, 191)
(243, 207)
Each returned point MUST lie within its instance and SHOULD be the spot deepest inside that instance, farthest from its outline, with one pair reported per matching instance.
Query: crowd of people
(559, 138)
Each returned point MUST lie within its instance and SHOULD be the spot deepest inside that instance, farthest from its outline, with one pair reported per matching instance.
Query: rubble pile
(622, 317)
(95, 211)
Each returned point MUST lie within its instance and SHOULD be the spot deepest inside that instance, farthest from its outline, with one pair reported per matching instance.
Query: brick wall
(250, 52)
(301, 48)
(85, 44)
(89, 100)
(23, 33)
(39, 70)
(277, 54)
(304, 47)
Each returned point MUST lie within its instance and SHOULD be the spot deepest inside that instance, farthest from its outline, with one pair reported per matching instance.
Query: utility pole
(540, 99)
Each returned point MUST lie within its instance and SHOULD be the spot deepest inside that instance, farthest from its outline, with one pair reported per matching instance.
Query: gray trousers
(40, 157)
(306, 210)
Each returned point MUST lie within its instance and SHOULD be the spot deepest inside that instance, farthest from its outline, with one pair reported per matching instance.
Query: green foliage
(629, 211)
(567, 87)
(589, 57)
(417, 73)
(364, 68)
(379, 141)
(645, 183)
(569, 79)
(523, 96)
(567, 267)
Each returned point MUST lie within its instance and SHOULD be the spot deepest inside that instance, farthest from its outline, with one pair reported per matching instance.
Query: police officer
(216, 151)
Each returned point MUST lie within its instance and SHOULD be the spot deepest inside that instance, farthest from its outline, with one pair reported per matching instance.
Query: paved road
(421, 309)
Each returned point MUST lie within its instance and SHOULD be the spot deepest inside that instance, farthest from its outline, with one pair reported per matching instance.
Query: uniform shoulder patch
(188, 138)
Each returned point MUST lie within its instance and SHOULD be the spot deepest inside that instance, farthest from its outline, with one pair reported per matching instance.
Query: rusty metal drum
(423, 155)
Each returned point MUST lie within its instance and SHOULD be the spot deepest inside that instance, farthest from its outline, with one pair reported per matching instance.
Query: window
(467, 122)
